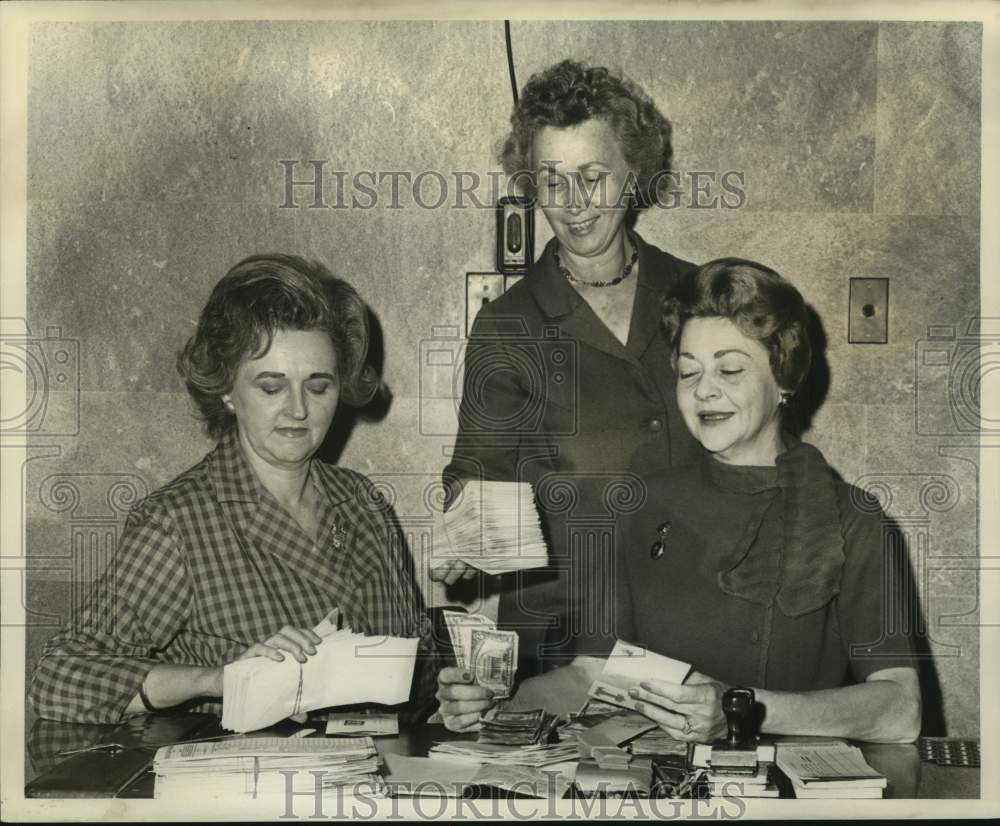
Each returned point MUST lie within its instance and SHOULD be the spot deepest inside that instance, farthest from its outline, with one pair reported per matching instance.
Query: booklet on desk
(829, 770)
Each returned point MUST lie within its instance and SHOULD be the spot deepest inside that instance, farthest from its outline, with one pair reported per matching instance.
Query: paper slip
(374, 725)
(347, 668)
(627, 666)
(493, 526)
(702, 754)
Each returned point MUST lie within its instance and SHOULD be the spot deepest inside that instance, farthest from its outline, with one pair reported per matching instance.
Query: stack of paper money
(486, 653)
(517, 728)
(494, 527)
(265, 767)
(542, 754)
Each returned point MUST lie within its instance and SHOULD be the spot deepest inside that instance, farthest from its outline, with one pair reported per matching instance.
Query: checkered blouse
(210, 564)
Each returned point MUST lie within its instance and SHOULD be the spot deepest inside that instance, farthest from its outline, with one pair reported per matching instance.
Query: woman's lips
(582, 227)
(293, 432)
(714, 417)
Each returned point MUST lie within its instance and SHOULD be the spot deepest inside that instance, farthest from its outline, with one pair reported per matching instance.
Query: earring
(786, 399)
(228, 404)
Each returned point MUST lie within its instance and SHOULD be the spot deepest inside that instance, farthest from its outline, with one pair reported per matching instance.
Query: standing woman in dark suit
(566, 383)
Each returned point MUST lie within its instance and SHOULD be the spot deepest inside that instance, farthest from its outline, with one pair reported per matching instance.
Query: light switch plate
(480, 289)
(868, 313)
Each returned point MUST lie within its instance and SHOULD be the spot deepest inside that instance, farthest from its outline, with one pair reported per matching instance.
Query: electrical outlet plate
(868, 312)
(480, 288)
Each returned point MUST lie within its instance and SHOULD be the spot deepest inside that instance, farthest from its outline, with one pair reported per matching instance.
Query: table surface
(907, 776)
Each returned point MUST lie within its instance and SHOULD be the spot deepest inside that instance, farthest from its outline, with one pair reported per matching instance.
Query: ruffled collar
(799, 494)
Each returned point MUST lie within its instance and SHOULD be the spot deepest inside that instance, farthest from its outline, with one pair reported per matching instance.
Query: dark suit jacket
(551, 397)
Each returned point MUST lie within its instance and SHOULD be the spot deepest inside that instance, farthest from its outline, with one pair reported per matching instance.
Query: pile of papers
(486, 653)
(347, 668)
(259, 767)
(829, 770)
(494, 527)
(517, 728)
(424, 777)
(465, 751)
(609, 730)
(627, 666)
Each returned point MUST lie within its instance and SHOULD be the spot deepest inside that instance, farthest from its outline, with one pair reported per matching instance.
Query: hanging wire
(510, 60)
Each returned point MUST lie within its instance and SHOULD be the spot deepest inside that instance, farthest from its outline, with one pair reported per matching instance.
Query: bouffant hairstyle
(258, 297)
(761, 304)
(570, 93)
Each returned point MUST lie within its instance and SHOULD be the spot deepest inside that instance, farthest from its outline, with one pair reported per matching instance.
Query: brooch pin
(656, 551)
(339, 536)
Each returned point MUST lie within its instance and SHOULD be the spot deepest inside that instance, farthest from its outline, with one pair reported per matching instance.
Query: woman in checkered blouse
(245, 552)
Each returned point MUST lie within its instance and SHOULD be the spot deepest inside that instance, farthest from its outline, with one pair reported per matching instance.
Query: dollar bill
(460, 626)
(493, 659)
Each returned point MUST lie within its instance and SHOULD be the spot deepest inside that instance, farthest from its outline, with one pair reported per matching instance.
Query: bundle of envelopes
(540, 754)
(347, 668)
(517, 728)
(257, 767)
(627, 666)
(488, 654)
(494, 527)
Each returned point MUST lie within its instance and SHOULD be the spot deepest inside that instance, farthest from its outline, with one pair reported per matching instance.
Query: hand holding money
(451, 571)
(462, 701)
(488, 654)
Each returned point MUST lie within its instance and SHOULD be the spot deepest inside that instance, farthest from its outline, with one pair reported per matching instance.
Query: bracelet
(145, 697)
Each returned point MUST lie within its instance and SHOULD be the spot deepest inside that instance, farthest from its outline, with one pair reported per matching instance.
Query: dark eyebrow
(272, 375)
(718, 353)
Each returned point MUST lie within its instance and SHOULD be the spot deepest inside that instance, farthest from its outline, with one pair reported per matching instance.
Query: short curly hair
(763, 306)
(570, 93)
(258, 297)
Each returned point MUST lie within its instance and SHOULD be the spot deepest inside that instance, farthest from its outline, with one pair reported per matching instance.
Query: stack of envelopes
(494, 527)
(258, 767)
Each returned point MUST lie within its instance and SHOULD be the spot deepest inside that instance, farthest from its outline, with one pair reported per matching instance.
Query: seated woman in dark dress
(756, 563)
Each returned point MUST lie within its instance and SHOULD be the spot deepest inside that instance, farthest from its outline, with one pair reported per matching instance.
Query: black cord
(510, 60)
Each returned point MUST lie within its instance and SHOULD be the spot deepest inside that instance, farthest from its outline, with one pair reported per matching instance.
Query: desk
(908, 777)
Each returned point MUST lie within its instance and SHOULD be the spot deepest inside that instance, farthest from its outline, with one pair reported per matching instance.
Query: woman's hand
(462, 701)
(299, 642)
(691, 712)
(452, 571)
